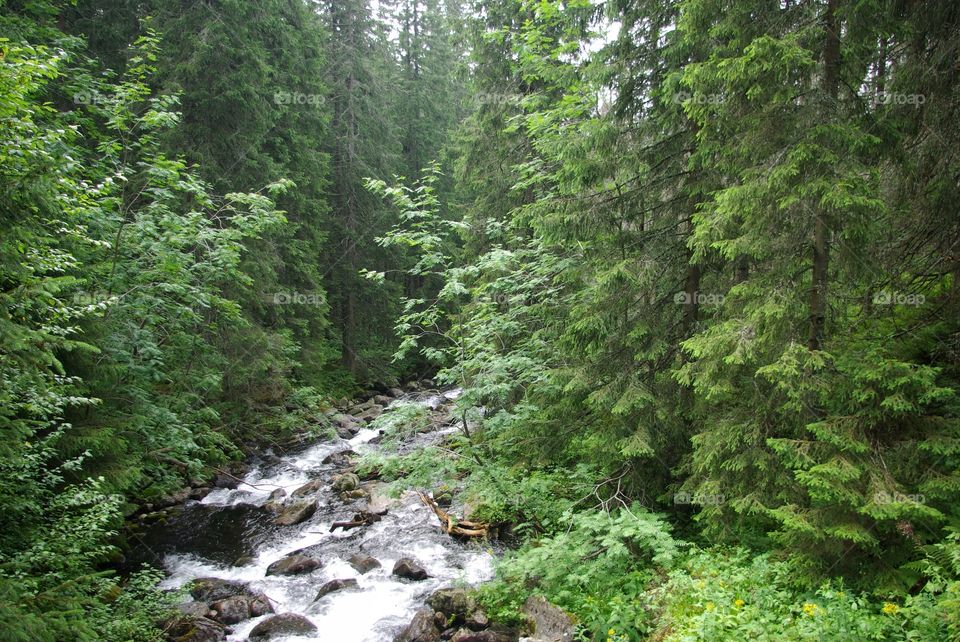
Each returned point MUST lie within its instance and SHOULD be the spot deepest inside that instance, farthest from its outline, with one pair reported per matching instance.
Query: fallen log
(363, 518)
(450, 525)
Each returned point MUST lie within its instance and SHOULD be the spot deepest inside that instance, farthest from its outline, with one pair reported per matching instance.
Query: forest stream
(231, 535)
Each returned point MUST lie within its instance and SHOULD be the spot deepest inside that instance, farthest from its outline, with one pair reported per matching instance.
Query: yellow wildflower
(810, 609)
(710, 606)
(738, 602)
(890, 608)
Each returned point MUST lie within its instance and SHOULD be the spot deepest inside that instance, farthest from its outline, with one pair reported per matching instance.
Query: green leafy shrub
(596, 569)
(733, 596)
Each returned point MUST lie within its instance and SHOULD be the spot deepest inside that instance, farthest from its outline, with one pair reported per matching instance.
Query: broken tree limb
(363, 518)
(450, 525)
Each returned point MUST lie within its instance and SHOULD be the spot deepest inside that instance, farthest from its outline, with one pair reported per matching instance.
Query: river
(230, 535)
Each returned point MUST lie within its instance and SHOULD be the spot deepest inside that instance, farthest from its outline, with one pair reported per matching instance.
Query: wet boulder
(340, 458)
(231, 610)
(372, 413)
(410, 569)
(547, 621)
(278, 494)
(456, 604)
(363, 563)
(478, 620)
(195, 629)
(443, 496)
(343, 420)
(225, 481)
(382, 400)
(489, 635)
(346, 482)
(199, 493)
(422, 628)
(380, 501)
(194, 609)
(260, 605)
(336, 585)
(212, 589)
(311, 487)
(294, 564)
(358, 493)
(294, 513)
(396, 393)
(281, 625)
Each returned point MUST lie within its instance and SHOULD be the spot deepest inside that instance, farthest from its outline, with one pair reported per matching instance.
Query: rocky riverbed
(300, 548)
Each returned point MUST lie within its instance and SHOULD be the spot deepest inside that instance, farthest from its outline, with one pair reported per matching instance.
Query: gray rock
(396, 393)
(340, 458)
(194, 609)
(422, 628)
(363, 563)
(225, 481)
(279, 625)
(312, 486)
(231, 610)
(294, 564)
(195, 629)
(379, 501)
(410, 569)
(277, 495)
(372, 413)
(478, 620)
(336, 585)
(345, 482)
(295, 513)
(547, 621)
(490, 635)
(359, 493)
(455, 603)
(343, 420)
(260, 605)
(382, 400)
(211, 589)
(343, 433)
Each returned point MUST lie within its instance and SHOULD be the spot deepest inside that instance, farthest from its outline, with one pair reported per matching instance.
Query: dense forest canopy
(694, 264)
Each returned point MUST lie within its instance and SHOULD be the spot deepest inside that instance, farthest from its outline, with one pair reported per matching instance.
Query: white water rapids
(383, 603)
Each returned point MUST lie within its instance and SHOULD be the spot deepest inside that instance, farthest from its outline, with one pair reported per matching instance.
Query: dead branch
(452, 526)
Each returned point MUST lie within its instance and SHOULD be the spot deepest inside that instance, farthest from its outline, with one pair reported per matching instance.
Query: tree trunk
(821, 231)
